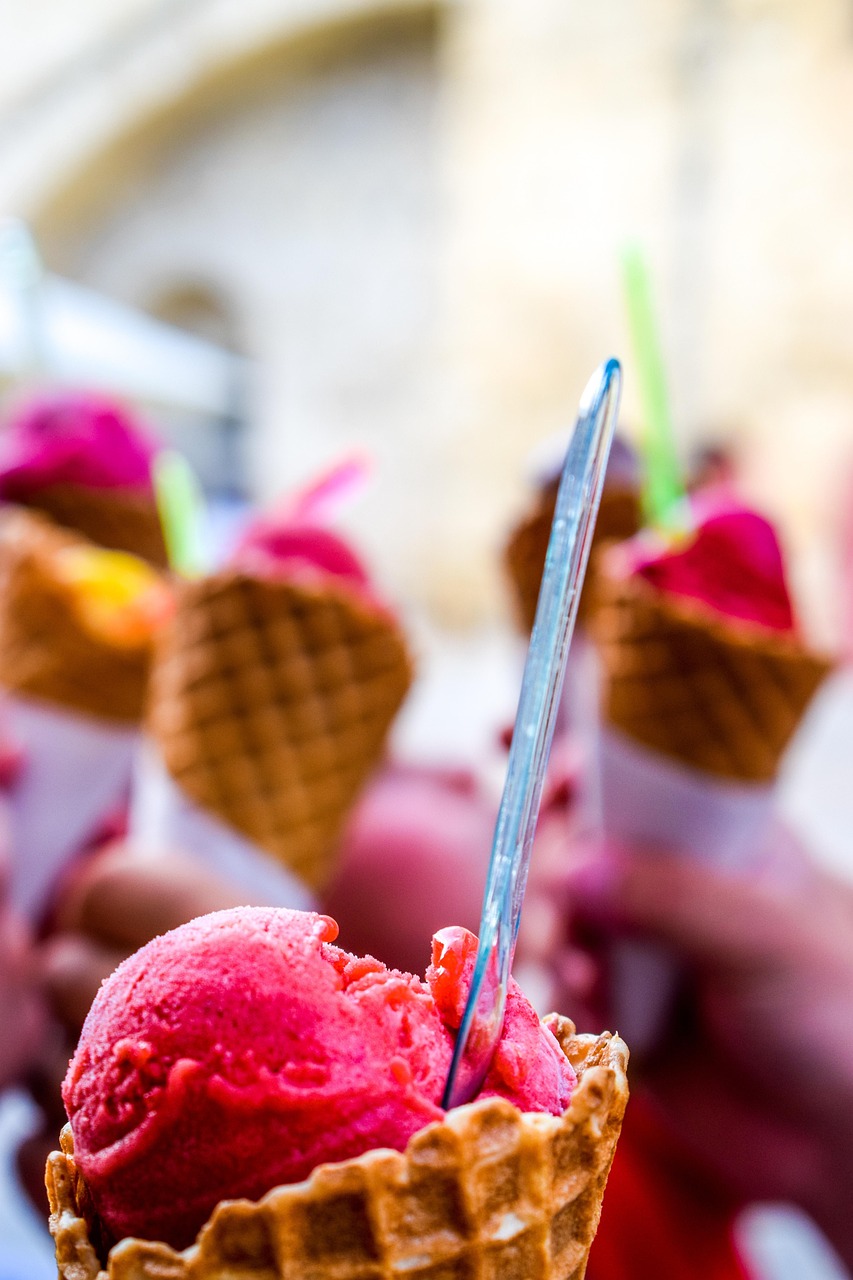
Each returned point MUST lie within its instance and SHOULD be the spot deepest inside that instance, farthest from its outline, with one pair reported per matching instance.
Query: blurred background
(408, 217)
(287, 229)
(403, 223)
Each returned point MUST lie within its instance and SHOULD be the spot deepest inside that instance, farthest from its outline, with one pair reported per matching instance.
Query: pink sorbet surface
(78, 439)
(289, 549)
(241, 1050)
(732, 563)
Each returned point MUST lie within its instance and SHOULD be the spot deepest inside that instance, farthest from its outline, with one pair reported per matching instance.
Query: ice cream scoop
(117, 596)
(243, 1049)
(77, 623)
(731, 563)
(74, 438)
(86, 462)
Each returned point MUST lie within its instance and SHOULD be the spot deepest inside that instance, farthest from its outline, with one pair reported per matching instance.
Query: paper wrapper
(122, 519)
(487, 1192)
(648, 800)
(163, 819)
(75, 772)
(270, 705)
(697, 713)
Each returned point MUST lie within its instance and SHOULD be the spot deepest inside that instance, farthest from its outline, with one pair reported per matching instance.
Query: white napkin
(76, 770)
(164, 820)
(646, 799)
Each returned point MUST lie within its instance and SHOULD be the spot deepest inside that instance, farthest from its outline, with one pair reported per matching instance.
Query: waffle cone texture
(46, 651)
(719, 696)
(524, 554)
(488, 1193)
(121, 519)
(270, 705)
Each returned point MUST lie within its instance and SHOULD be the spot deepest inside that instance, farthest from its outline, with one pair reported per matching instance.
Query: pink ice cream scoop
(241, 1050)
(306, 552)
(294, 542)
(732, 563)
(74, 439)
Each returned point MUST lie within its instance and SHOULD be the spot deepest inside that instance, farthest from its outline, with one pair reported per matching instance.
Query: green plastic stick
(180, 503)
(663, 489)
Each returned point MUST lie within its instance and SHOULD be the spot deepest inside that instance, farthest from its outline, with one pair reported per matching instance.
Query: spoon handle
(577, 505)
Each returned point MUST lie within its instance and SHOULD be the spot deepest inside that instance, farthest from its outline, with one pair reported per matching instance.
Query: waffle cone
(717, 695)
(487, 1192)
(524, 554)
(46, 651)
(121, 519)
(270, 705)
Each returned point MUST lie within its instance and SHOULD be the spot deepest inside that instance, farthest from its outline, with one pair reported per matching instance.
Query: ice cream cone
(487, 1191)
(46, 651)
(270, 704)
(716, 695)
(76, 643)
(122, 519)
(524, 555)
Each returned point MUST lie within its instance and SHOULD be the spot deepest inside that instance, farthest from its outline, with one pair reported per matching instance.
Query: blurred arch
(199, 307)
(288, 201)
(172, 70)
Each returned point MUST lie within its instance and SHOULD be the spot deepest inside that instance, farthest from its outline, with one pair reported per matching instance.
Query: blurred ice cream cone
(270, 704)
(118, 518)
(713, 695)
(84, 461)
(76, 642)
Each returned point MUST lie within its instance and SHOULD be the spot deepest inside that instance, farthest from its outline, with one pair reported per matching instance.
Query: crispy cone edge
(46, 650)
(486, 1189)
(722, 697)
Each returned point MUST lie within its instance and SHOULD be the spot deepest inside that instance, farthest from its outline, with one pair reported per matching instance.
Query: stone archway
(300, 187)
(72, 132)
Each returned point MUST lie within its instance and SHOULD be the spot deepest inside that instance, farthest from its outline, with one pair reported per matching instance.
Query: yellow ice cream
(117, 596)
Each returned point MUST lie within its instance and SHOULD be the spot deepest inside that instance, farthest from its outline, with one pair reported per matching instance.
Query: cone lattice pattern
(524, 555)
(488, 1194)
(117, 518)
(45, 650)
(270, 704)
(721, 697)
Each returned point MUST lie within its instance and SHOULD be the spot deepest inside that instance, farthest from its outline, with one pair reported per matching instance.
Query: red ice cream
(295, 543)
(731, 563)
(238, 1052)
(275, 549)
(74, 439)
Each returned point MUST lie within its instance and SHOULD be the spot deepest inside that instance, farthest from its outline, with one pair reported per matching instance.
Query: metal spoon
(578, 500)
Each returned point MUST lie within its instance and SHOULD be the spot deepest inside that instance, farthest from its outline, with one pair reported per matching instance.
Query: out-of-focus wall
(417, 227)
(289, 180)
(306, 208)
(716, 134)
